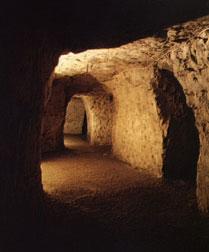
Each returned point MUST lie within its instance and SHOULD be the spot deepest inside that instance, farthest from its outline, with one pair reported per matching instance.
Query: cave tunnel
(125, 120)
(75, 119)
(111, 194)
(181, 144)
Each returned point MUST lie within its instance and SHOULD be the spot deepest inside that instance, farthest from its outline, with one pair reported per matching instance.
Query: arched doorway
(181, 142)
(75, 118)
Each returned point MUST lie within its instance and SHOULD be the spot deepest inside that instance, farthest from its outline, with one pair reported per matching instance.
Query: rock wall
(27, 62)
(53, 119)
(137, 132)
(99, 110)
(74, 117)
(189, 61)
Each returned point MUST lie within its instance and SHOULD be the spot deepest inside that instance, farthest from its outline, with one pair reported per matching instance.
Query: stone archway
(181, 141)
(75, 116)
(97, 103)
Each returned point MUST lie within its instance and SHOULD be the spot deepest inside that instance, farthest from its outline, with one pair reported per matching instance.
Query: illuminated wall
(99, 110)
(74, 117)
(137, 132)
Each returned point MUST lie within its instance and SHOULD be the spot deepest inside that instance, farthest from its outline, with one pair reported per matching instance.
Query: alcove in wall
(181, 141)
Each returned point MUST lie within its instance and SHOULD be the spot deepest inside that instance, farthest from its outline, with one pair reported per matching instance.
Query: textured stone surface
(99, 110)
(190, 63)
(53, 119)
(137, 132)
(74, 117)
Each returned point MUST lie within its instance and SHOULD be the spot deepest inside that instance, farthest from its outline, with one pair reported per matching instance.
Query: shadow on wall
(85, 127)
(181, 144)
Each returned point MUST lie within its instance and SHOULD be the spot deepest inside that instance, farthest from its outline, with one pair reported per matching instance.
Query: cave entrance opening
(76, 126)
(181, 143)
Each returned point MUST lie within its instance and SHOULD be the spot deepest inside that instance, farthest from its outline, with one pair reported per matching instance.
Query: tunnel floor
(97, 203)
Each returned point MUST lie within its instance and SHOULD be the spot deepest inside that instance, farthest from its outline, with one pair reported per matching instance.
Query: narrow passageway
(102, 204)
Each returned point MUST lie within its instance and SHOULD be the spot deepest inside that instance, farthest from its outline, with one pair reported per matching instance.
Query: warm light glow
(108, 60)
(71, 64)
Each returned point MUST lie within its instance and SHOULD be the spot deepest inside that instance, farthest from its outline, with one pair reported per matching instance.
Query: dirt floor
(97, 203)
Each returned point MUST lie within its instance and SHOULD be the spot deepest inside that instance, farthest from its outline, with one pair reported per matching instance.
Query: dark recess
(181, 145)
(84, 127)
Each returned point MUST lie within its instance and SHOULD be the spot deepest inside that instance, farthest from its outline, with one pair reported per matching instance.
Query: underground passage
(75, 118)
(104, 128)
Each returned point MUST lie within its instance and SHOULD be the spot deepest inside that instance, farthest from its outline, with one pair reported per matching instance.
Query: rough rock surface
(190, 64)
(143, 134)
(74, 117)
(53, 119)
(99, 110)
